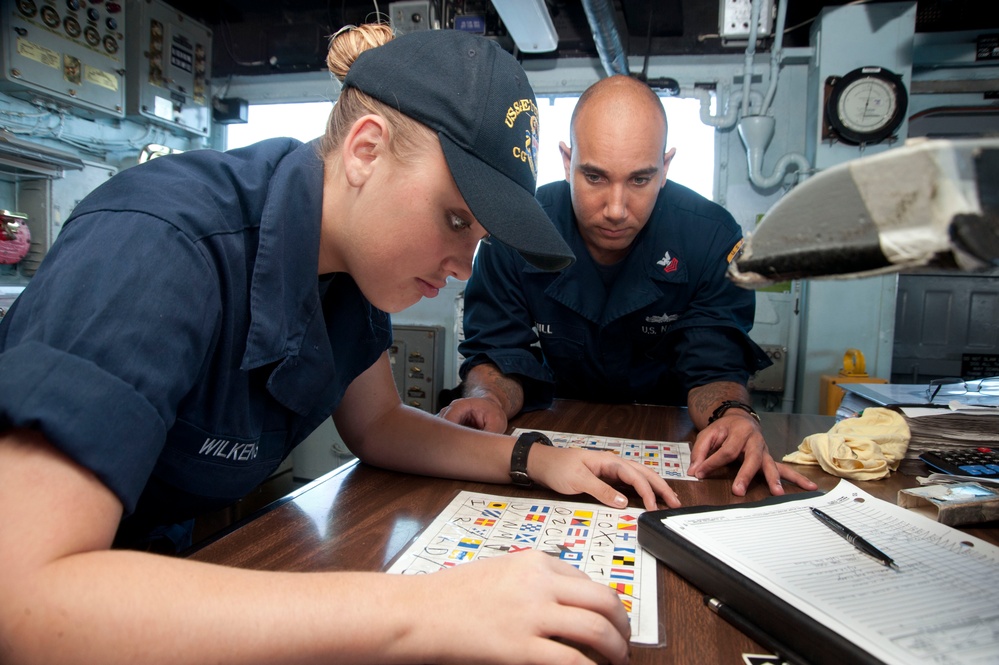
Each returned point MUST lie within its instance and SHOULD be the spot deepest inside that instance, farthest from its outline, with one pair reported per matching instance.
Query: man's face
(615, 170)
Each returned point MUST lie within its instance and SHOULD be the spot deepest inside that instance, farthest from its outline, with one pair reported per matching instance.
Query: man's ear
(363, 147)
(667, 159)
(566, 159)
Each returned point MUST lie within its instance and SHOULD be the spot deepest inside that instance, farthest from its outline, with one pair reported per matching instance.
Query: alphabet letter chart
(669, 459)
(600, 541)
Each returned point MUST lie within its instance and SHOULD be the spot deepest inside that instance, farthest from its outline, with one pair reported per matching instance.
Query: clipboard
(808, 642)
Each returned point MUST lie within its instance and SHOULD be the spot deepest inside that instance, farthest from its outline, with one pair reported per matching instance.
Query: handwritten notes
(939, 607)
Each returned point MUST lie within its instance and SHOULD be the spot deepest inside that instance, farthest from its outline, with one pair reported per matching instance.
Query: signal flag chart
(598, 540)
(669, 458)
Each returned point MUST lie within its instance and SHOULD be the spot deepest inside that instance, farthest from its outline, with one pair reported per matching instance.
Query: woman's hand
(573, 471)
(525, 607)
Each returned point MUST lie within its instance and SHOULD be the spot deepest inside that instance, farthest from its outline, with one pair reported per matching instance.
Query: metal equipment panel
(169, 62)
(49, 202)
(417, 357)
(68, 54)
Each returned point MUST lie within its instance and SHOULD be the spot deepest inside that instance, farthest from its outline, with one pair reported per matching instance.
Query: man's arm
(703, 400)
(489, 399)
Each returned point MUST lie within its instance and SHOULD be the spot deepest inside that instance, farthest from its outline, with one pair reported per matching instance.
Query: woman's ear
(364, 147)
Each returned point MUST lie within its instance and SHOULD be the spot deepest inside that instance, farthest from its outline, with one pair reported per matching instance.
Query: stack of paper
(947, 423)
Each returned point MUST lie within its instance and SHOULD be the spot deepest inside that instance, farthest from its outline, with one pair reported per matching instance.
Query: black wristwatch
(518, 461)
(732, 404)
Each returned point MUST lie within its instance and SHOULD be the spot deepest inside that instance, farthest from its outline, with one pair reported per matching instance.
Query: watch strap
(518, 460)
(732, 404)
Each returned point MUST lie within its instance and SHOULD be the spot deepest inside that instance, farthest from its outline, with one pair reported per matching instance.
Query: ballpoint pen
(854, 539)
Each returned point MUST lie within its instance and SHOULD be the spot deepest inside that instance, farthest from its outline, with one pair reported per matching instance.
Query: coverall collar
(284, 293)
(580, 288)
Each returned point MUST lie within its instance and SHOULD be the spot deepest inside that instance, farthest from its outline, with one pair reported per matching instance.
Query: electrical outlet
(734, 19)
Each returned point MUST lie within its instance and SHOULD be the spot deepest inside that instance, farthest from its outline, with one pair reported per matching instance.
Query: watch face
(867, 104)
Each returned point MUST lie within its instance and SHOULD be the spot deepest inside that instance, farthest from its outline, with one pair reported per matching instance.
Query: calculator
(977, 462)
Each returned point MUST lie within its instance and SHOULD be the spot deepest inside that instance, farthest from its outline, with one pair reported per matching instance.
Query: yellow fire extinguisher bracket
(854, 371)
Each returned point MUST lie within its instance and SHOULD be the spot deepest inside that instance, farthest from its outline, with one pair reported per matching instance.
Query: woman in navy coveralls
(201, 314)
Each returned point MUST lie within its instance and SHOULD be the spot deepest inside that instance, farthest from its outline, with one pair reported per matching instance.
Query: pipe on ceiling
(600, 16)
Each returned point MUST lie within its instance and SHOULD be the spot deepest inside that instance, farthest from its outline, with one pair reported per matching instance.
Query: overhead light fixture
(529, 24)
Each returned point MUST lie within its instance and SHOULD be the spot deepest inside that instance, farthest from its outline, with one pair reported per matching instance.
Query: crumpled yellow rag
(867, 447)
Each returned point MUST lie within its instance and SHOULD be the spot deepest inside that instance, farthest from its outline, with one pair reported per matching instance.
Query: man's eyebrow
(590, 168)
(645, 172)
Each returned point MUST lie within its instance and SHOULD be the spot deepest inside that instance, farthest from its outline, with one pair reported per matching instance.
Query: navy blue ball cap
(477, 98)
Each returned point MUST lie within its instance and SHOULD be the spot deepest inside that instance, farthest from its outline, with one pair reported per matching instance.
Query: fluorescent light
(529, 24)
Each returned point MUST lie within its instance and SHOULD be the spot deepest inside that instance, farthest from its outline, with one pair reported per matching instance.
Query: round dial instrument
(867, 105)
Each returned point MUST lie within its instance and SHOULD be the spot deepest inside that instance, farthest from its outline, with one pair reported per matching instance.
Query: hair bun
(350, 41)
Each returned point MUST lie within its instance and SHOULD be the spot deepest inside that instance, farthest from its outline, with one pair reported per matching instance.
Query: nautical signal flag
(497, 505)
(485, 521)
(470, 543)
(570, 555)
(625, 589)
(623, 560)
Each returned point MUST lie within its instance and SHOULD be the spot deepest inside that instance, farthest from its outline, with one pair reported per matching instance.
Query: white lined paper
(941, 606)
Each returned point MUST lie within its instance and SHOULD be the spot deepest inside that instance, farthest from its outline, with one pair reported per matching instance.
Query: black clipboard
(812, 642)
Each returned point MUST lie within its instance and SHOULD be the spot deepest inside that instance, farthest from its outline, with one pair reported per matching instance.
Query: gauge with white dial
(866, 105)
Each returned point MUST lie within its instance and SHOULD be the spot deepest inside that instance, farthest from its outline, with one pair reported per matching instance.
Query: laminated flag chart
(669, 459)
(600, 541)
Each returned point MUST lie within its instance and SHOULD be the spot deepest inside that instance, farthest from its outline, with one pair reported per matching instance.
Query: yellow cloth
(864, 448)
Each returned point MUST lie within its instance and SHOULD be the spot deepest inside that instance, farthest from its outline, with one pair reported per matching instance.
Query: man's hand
(476, 412)
(737, 434)
(490, 399)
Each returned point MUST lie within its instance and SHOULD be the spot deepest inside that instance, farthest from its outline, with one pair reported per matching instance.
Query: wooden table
(358, 517)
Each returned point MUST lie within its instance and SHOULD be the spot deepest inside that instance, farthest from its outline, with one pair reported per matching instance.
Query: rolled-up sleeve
(707, 355)
(711, 340)
(499, 328)
(97, 353)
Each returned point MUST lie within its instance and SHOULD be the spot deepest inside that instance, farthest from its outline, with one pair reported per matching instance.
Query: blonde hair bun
(350, 41)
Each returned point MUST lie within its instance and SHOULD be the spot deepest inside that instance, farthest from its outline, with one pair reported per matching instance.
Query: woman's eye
(459, 224)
